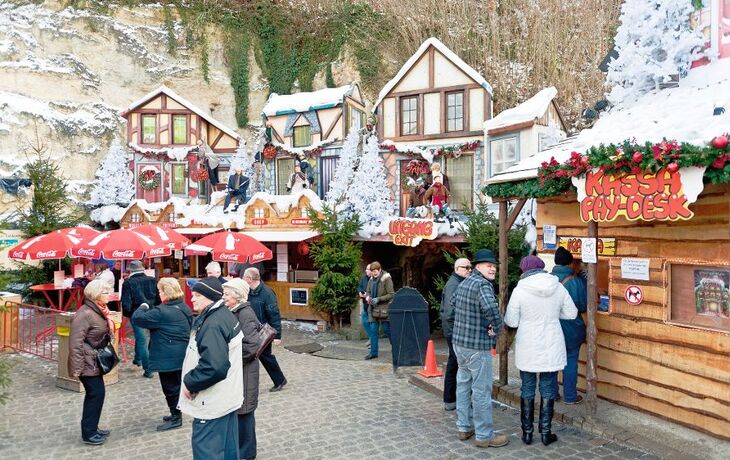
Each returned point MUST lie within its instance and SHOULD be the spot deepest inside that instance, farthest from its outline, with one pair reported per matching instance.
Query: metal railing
(28, 328)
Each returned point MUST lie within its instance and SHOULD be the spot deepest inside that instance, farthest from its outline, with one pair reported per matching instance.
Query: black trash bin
(409, 327)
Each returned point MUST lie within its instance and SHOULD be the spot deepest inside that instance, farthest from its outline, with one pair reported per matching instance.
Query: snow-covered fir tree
(369, 193)
(345, 167)
(246, 161)
(654, 41)
(114, 183)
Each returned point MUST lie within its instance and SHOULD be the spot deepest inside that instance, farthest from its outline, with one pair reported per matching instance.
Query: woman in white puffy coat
(536, 306)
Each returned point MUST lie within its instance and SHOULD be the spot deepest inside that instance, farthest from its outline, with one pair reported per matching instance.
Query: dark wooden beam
(591, 376)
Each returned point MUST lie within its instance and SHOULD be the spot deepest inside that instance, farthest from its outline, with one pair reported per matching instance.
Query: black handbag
(106, 355)
(266, 336)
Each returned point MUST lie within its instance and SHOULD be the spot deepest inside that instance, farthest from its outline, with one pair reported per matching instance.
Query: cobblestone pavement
(331, 409)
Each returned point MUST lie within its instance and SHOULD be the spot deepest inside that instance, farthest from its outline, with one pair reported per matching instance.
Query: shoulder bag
(266, 336)
(106, 355)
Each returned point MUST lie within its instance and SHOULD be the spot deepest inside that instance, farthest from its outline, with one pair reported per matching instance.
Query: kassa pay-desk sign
(664, 195)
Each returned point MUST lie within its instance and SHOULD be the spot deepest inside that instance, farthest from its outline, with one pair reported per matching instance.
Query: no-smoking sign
(633, 294)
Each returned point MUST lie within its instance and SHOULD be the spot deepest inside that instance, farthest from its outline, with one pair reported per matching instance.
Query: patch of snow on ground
(302, 326)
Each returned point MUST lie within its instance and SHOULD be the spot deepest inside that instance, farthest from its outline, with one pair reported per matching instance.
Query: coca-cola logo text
(86, 252)
(231, 257)
(42, 254)
(126, 253)
(157, 251)
(18, 255)
(258, 256)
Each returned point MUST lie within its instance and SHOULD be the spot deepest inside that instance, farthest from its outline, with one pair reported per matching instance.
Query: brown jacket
(87, 329)
(384, 291)
(249, 325)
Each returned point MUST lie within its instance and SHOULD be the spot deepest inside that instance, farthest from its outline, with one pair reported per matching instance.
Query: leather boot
(527, 418)
(175, 421)
(546, 420)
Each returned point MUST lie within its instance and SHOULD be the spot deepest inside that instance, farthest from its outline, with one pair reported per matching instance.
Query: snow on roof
(684, 113)
(304, 102)
(283, 203)
(529, 110)
(174, 153)
(450, 55)
(172, 94)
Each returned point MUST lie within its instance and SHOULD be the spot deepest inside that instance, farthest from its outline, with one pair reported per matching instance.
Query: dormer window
(408, 116)
(259, 213)
(302, 136)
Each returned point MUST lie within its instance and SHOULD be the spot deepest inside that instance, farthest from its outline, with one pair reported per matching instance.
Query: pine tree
(346, 166)
(369, 193)
(654, 41)
(114, 183)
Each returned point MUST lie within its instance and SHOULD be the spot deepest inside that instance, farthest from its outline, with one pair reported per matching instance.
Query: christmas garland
(271, 151)
(199, 175)
(149, 179)
(449, 151)
(626, 158)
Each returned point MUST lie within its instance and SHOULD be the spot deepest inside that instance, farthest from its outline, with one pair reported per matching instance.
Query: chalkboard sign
(299, 296)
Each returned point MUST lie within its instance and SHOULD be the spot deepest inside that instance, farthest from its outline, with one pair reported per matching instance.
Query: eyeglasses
(465, 267)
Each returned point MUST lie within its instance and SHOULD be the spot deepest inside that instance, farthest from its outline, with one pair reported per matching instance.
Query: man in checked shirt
(476, 322)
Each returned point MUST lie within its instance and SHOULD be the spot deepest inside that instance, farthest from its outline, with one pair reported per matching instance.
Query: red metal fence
(30, 329)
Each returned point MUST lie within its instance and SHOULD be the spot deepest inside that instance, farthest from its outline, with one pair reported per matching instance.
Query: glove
(374, 301)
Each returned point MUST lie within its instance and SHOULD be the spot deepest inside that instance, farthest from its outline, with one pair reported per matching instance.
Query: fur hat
(531, 263)
(135, 266)
(563, 256)
(239, 288)
(210, 288)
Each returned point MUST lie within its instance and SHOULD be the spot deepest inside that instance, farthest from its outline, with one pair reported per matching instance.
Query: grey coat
(449, 290)
(249, 326)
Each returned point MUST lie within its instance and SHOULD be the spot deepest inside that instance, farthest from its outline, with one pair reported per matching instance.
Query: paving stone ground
(331, 409)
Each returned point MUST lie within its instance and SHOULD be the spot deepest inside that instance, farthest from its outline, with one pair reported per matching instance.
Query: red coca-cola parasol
(166, 236)
(53, 245)
(231, 247)
(120, 244)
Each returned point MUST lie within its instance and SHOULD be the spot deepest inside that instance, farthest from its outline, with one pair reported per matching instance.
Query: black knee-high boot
(545, 422)
(527, 418)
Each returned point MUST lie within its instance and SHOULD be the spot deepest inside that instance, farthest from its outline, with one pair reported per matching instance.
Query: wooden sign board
(604, 246)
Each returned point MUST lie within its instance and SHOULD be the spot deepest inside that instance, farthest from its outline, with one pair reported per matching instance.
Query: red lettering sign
(410, 232)
(301, 221)
(642, 196)
(259, 221)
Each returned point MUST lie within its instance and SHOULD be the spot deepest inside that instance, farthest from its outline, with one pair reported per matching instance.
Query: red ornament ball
(720, 142)
(303, 248)
(672, 167)
(637, 157)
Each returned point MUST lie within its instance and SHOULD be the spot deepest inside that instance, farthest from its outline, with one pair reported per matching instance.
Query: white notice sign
(635, 269)
(549, 236)
(588, 250)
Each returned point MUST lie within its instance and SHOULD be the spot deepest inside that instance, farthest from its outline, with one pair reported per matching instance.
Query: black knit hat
(563, 256)
(210, 288)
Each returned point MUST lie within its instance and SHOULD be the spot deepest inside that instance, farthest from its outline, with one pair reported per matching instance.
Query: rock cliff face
(65, 74)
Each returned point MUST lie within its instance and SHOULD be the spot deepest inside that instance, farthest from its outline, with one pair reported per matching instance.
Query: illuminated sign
(665, 195)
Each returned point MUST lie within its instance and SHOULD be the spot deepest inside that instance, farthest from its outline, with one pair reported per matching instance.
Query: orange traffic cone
(431, 368)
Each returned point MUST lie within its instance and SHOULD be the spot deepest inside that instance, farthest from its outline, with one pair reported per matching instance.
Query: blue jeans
(474, 392)
(374, 333)
(570, 376)
(364, 320)
(548, 384)
(141, 355)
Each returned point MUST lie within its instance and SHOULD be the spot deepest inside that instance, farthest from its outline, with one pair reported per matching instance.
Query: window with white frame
(408, 116)
(303, 212)
(259, 213)
(503, 153)
(455, 111)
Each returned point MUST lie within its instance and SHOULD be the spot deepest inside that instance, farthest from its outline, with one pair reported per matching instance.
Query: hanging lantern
(303, 248)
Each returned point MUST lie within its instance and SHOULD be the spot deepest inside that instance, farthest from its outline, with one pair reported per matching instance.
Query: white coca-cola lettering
(157, 251)
(86, 252)
(125, 253)
(51, 253)
(18, 254)
(256, 257)
(233, 257)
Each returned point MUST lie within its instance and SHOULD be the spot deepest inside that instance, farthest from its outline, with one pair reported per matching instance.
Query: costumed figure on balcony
(297, 181)
(237, 188)
(438, 198)
(210, 160)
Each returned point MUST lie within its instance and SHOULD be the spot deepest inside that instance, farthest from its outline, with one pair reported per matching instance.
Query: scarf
(103, 310)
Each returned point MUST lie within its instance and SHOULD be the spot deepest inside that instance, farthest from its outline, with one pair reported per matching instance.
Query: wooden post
(591, 377)
(506, 220)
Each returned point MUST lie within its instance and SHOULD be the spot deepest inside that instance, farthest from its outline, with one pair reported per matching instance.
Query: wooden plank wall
(675, 372)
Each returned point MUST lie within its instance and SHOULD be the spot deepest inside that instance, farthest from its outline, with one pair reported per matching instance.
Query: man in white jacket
(212, 372)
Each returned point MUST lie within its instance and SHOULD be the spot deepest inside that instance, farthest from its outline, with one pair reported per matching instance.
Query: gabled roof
(450, 55)
(305, 102)
(182, 101)
(526, 113)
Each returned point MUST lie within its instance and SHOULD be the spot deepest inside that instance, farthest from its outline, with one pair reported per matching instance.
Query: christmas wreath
(270, 152)
(149, 179)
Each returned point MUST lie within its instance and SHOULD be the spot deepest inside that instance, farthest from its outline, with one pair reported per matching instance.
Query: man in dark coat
(574, 330)
(237, 188)
(264, 304)
(462, 268)
(138, 289)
